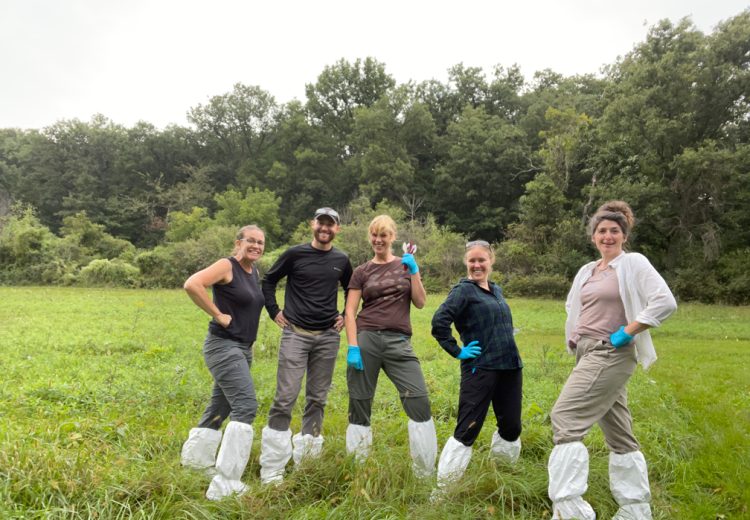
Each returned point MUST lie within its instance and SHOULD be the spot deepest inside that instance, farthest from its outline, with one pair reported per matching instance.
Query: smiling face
(251, 246)
(479, 264)
(381, 241)
(324, 229)
(609, 238)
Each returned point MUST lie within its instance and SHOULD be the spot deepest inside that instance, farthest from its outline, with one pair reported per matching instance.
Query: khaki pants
(596, 393)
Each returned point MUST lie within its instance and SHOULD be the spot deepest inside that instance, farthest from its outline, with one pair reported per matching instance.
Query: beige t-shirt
(602, 311)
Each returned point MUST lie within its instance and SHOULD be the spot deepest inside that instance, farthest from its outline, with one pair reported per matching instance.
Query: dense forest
(516, 161)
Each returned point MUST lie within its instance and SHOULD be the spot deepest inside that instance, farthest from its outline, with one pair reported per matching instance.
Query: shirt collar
(614, 263)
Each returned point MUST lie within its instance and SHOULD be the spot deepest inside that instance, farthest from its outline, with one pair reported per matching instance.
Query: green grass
(98, 389)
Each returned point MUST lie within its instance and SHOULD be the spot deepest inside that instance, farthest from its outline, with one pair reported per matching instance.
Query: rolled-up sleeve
(660, 303)
(445, 316)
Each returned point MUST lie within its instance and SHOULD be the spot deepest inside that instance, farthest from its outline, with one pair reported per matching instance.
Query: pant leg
(402, 367)
(507, 403)
(227, 360)
(294, 350)
(591, 389)
(217, 410)
(617, 427)
(320, 364)
(362, 383)
(474, 398)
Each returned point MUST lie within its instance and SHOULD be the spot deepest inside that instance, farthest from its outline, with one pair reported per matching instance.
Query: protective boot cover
(505, 451)
(423, 441)
(231, 462)
(199, 450)
(568, 480)
(358, 441)
(306, 446)
(453, 461)
(628, 480)
(275, 452)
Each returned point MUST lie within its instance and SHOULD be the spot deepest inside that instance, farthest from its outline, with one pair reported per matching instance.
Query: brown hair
(241, 235)
(616, 211)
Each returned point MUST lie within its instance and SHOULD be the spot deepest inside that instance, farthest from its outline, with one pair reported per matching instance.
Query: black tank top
(243, 300)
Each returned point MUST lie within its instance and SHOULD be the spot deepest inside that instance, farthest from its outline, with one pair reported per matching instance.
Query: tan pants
(595, 393)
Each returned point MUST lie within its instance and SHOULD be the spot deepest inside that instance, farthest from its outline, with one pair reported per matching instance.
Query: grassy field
(98, 389)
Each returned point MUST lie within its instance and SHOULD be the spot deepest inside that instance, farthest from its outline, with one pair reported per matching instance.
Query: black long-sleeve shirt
(311, 287)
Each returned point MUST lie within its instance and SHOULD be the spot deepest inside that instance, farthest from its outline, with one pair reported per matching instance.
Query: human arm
(281, 268)
(660, 303)
(350, 315)
(195, 286)
(346, 277)
(445, 316)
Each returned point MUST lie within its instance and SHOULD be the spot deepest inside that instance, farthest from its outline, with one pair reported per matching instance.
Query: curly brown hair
(614, 211)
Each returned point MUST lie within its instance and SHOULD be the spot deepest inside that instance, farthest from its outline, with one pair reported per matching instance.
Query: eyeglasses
(477, 243)
(253, 242)
(327, 211)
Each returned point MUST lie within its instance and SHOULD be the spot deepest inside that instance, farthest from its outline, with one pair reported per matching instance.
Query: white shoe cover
(199, 450)
(628, 480)
(453, 461)
(231, 462)
(568, 479)
(505, 451)
(359, 441)
(275, 452)
(423, 444)
(306, 446)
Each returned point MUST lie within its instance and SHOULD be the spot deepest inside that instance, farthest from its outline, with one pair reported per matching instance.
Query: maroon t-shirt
(386, 296)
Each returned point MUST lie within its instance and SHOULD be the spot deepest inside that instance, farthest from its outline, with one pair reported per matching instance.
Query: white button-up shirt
(645, 296)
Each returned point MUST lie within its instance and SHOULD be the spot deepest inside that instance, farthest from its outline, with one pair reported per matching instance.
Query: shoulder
(338, 252)
(363, 268)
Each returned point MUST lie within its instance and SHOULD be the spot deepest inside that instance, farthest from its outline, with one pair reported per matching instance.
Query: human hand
(281, 321)
(354, 358)
(620, 338)
(470, 351)
(339, 323)
(408, 261)
(224, 320)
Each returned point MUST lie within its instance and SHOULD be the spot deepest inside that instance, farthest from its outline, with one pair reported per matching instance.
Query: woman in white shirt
(611, 305)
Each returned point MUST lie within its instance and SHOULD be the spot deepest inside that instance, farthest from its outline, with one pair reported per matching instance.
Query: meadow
(98, 389)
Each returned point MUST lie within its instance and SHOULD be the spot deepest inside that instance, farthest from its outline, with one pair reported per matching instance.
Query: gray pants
(229, 362)
(596, 393)
(299, 353)
(392, 352)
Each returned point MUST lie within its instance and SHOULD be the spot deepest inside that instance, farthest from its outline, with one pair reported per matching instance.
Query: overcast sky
(152, 60)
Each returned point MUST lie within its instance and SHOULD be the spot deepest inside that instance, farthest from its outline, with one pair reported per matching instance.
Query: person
(227, 351)
(309, 342)
(380, 338)
(611, 305)
(491, 366)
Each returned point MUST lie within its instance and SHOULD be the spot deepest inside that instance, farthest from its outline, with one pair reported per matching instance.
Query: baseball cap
(330, 212)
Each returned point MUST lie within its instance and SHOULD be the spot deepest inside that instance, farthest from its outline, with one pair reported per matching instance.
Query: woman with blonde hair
(491, 367)
(611, 305)
(380, 338)
(228, 353)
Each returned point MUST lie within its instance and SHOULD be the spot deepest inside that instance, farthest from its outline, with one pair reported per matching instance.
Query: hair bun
(618, 206)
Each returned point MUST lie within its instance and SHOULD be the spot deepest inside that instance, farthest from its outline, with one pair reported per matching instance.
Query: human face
(479, 264)
(252, 245)
(325, 229)
(609, 238)
(381, 242)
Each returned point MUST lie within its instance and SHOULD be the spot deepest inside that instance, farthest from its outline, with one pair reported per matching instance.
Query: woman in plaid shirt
(491, 367)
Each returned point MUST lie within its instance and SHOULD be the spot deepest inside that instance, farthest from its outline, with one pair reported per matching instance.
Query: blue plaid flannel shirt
(478, 315)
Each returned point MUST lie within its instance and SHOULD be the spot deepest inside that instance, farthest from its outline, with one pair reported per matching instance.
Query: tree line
(519, 162)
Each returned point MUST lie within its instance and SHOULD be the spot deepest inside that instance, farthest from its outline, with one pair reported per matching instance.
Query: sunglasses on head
(477, 243)
(327, 211)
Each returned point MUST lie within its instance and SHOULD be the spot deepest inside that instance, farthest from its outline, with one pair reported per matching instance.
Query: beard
(326, 239)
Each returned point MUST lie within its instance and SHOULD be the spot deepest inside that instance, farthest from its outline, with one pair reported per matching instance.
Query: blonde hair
(241, 235)
(382, 223)
(489, 251)
(615, 211)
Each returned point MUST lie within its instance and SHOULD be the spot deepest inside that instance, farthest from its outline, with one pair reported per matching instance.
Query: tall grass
(98, 389)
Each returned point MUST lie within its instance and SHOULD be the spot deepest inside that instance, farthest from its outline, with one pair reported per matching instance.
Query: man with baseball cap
(310, 340)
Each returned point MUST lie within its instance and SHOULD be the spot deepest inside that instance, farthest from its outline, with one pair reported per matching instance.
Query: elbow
(419, 304)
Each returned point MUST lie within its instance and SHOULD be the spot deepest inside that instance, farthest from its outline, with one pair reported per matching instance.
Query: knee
(418, 408)
(511, 433)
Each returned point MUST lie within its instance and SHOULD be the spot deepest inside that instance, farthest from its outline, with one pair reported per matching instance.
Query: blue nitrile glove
(470, 351)
(620, 338)
(408, 261)
(354, 358)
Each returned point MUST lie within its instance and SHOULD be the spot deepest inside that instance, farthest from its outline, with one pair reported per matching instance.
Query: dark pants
(229, 362)
(502, 388)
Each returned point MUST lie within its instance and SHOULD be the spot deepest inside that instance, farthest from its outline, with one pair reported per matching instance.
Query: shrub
(539, 285)
(110, 272)
(696, 284)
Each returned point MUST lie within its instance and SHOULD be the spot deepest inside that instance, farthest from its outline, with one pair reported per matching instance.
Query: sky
(153, 60)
